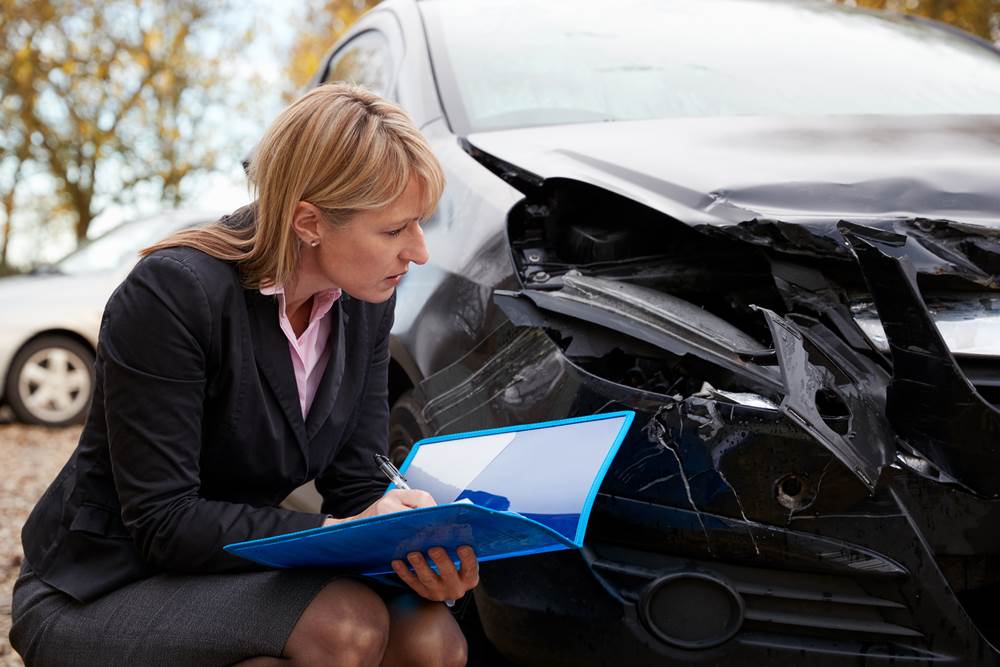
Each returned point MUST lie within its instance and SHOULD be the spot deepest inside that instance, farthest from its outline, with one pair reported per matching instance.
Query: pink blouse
(311, 350)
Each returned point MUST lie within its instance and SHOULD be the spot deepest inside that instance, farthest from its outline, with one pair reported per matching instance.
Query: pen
(391, 471)
(396, 477)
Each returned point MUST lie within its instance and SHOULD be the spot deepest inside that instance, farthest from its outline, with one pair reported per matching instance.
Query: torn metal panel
(657, 432)
(806, 288)
(931, 403)
(658, 319)
(681, 318)
(740, 398)
(865, 446)
(780, 235)
(731, 457)
(966, 250)
(519, 375)
(522, 372)
(942, 247)
(584, 340)
(856, 374)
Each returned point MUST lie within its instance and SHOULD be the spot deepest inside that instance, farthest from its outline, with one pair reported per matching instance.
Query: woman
(235, 363)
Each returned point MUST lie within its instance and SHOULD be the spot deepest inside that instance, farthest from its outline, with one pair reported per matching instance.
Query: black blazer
(196, 434)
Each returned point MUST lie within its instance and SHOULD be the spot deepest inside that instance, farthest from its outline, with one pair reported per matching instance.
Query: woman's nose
(416, 250)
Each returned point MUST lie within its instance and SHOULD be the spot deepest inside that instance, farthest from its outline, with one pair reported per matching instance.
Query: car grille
(780, 608)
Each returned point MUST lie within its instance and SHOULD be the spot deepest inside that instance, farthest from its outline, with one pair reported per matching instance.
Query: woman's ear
(306, 222)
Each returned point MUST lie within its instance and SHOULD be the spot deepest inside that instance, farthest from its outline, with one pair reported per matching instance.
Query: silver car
(49, 320)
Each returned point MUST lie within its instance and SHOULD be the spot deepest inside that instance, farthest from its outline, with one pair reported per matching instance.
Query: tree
(110, 94)
(980, 17)
(15, 146)
(324, 22)
(15, 151)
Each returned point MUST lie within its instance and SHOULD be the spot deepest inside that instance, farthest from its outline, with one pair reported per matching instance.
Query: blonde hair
(339, 147)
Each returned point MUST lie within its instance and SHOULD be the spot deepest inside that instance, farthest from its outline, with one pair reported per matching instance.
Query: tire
(406, 426)
(50, 381)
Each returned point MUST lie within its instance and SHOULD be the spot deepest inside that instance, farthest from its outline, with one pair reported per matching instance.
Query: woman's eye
(397, 232)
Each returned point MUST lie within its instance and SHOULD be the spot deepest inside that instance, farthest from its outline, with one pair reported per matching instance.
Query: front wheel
(50, 382)
(406, 426)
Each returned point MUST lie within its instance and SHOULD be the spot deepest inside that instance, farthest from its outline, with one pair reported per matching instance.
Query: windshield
(516, 63)
(116, 248)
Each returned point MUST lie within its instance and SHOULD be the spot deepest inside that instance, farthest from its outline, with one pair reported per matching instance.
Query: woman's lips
(396, 278)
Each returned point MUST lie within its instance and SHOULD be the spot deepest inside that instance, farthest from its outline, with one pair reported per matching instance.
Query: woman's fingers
(423, 571)
(411, 498)
(470, 567)
(441, 558)
(398, 500)
(410, 579)
(448, 583)
(452, 584)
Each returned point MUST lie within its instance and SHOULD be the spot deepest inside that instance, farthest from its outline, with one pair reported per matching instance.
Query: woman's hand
(447, 584)
(393, 501)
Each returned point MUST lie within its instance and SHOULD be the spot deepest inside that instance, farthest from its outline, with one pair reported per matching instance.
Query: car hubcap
(54, 384)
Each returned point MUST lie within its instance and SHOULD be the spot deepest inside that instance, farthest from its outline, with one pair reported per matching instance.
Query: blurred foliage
(100, 96)
(980, 17)
(324, 23)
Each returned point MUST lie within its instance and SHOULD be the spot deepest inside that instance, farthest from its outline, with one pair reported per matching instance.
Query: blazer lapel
(274, 360)
(333, 376)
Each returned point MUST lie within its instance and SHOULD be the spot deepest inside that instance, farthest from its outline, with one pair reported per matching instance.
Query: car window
(116, 248)
(576, 61)
(366, 61)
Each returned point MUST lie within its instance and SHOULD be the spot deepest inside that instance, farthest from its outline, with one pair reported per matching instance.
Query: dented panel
(733, 477)
(658, 319)
(862, 440)
(931, 403)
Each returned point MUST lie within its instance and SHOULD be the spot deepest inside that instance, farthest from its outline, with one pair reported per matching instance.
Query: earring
(314, 243)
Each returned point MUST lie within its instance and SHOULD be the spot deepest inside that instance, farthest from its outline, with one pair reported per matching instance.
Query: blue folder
(506, 492)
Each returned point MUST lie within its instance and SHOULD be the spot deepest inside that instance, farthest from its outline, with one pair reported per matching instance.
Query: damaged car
(772, 230)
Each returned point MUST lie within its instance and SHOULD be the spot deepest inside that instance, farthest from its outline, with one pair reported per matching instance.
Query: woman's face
(368, 255)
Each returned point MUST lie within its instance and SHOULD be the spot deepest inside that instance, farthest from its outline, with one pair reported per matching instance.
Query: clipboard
(506, 492)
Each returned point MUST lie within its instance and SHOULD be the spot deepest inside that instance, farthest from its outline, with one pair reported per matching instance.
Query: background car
(51, 319)
(772, 229)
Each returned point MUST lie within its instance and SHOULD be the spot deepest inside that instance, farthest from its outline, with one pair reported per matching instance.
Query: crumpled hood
(730, 170)
(785, 183)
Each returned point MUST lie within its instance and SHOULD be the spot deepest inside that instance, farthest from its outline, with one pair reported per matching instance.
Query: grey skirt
(167, 619)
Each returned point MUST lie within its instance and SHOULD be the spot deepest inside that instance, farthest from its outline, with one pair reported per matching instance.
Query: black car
(772, 229)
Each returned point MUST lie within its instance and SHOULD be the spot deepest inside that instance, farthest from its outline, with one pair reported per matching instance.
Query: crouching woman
(236, 362)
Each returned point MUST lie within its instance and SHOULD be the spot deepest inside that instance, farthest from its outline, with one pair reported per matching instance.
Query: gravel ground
(31, 457)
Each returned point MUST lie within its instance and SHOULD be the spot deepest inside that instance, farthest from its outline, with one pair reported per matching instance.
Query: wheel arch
(399, 381)
(403, 371)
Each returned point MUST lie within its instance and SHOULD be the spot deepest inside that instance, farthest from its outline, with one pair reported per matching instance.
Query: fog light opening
(692, 610)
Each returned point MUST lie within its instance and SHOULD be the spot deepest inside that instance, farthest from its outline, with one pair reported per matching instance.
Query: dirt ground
(30, 458)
